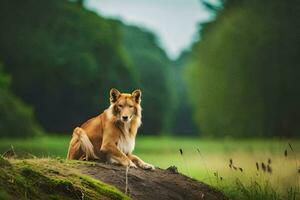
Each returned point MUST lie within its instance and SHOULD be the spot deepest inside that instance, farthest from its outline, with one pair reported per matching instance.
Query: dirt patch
(157, 184)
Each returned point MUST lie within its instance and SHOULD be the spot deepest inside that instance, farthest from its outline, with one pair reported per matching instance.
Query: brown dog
(112, 133)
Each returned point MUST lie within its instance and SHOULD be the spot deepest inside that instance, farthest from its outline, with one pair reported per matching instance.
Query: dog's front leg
(114, 153)
(139, 162)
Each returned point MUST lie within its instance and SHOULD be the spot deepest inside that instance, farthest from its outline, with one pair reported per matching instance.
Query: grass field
(207, 160)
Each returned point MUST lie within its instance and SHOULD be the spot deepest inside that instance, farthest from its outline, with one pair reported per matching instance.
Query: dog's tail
(80, 141)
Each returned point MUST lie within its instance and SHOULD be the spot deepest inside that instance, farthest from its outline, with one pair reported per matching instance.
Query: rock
(173, 169)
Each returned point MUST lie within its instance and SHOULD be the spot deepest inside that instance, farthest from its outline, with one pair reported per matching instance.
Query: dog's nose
(125, 118)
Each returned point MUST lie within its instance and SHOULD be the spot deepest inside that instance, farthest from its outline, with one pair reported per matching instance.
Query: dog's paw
(147, 166)
(131, 164)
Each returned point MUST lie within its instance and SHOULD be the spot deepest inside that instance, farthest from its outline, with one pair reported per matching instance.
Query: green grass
(206, 160)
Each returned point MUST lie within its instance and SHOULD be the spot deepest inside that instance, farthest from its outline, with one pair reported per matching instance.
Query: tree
(16, 118)
(242, 78)
(63, 60)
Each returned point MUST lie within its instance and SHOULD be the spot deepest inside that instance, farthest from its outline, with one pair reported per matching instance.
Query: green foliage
(184, 123)
(4, 78)
(243, 77)
(155, 78)
(16, 118)
(63, 59)
(258, 191)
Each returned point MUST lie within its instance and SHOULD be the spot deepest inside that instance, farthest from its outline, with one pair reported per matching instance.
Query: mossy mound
(42, 178)
(50, 179)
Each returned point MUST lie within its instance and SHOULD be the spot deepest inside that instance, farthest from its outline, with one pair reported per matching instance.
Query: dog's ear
(114, 95)
(137, 94)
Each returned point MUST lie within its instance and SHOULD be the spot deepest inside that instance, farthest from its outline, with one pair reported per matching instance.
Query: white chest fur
(126, 144)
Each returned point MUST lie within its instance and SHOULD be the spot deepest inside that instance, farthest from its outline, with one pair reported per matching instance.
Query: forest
(58, 63)
(240, 79)
(243, 78)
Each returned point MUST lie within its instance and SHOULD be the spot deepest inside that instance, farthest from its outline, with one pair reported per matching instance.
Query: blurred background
(206, 68)
(221, 69)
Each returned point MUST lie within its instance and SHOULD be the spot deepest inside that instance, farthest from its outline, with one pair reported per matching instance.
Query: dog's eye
(130, 106)
(120, 106)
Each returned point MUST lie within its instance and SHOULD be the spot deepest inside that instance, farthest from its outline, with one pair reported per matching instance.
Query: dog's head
(125, 106)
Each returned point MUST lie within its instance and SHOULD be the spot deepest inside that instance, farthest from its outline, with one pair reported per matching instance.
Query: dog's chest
(126, 144)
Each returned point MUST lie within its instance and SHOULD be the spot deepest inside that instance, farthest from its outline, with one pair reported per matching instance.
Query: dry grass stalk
(269, 161)
(185, 162)
(206, 169)
(291, 147)
(126, 180)
(269, 169)
(263, 166)
(181, 152)
(285, 153)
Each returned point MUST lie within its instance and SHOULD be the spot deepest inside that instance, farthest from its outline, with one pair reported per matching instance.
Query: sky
(175, 22)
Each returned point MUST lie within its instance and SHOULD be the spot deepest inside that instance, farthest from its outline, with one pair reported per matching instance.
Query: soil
(152, 185)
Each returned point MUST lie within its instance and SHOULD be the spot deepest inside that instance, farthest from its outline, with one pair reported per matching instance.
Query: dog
(111, 135)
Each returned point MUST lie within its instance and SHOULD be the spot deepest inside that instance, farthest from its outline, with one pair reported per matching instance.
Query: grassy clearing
(208, 161)
(50, 179)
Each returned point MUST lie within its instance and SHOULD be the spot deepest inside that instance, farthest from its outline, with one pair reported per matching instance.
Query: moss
(4, 162)
(3, 194)
(63, 188)
(53, 171)
(102, 188)
(11, 183)
(51, 179)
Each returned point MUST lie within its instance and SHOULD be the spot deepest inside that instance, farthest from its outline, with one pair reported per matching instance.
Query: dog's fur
(112, 133)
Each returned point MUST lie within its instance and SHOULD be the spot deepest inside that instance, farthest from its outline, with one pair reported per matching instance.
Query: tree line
(63, 59)
(241, 78)
(243, 75)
